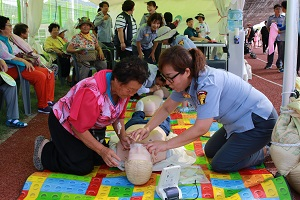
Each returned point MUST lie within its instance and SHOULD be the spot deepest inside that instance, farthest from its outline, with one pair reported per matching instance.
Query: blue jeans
(240, 150)
(138, 117)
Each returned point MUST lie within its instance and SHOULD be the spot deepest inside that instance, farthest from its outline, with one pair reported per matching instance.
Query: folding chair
(109, 54)
(25, 86)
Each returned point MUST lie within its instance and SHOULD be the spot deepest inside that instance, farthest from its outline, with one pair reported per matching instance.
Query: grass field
(60, 90)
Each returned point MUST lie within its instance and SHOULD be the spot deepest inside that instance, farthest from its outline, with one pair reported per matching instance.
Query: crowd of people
(77, 137)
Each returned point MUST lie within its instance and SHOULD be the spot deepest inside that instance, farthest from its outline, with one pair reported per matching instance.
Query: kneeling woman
(247, 115)
(79, 119)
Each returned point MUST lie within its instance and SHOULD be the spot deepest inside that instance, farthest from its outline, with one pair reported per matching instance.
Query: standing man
(103, 22)
(265, 37)
(279, 20)
(125, 28)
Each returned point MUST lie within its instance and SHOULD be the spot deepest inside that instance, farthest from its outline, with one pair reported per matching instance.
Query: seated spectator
(39, 77)
(54, 43)
(81, 43)
(142, 40)
(22, 31)
(9, 92)
(192, 33)
(61, 34)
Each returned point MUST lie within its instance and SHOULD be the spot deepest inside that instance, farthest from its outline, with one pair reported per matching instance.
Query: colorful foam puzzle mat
(105, 183)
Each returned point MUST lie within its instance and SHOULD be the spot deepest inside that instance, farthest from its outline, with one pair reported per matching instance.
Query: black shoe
(51, 103)
(268, 67)
(46, 110)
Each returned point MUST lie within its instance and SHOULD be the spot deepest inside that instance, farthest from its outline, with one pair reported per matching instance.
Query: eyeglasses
(170, 79)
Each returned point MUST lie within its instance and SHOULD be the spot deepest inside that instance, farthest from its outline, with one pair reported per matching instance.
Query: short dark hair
(152, 3)
(131, 69)
(154, 17)
(20, 28)
(188, 19)
(128, 5)
(277, 6)
(3, 21)
(102, 4)
(284, 4)
(168, 17)
(52, 26)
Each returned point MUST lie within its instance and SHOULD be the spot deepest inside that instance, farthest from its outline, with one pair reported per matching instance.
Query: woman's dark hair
(168, 17)
(277, 6)
(3, 21)
(52, 26)
(102, 4)
(284, 4)
(154, 17)
(20, 28)
(131, 69)
(180, 59)
(128, 5)
(152, 3)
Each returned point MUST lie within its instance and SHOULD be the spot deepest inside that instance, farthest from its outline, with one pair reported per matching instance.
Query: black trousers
(67, 154)
(64, 65)
(265, 44)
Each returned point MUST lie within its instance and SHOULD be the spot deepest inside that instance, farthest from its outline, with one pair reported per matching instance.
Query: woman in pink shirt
(78, 121)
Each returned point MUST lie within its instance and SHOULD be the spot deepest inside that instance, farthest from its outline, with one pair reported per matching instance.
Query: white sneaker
(139, 106)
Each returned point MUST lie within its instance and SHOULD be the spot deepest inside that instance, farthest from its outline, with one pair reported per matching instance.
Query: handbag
(29, 57)
(90, 55)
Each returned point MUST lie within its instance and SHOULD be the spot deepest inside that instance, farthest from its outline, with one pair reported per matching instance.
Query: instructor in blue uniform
(247, 115)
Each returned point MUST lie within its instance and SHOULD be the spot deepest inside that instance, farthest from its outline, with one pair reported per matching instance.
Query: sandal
(15, 123)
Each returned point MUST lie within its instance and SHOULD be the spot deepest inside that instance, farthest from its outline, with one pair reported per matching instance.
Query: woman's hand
(141, 56)
(3, 66)
(109, 156)
(125, 141)
(123, 46)
(29, 66)
(152, 56)
(101, 55)
(139, 134)
(156, 146)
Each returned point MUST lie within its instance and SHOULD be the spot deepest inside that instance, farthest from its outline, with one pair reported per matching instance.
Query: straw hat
(165, 32)
(84, 20)
(200, 15)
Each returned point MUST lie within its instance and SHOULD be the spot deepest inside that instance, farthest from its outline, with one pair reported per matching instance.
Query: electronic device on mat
(167, 188)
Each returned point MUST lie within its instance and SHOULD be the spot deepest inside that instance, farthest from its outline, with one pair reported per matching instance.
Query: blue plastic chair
(25, 86)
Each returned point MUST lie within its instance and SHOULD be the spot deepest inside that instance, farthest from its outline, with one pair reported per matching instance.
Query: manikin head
(138, 162)
(138, 166)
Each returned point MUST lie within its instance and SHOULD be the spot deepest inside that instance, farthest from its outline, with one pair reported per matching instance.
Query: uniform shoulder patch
(201, 96)
(181, 42)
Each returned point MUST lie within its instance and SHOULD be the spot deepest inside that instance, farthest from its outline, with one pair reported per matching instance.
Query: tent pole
(59, 16)
(290, 58)
(19, 11)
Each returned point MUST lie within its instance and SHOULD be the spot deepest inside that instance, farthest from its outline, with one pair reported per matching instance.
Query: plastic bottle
(235, 19)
